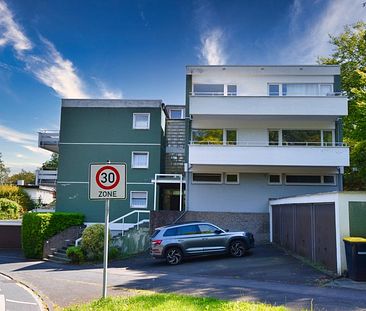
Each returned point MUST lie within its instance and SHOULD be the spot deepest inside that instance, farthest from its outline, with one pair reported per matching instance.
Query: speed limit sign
(107, 181)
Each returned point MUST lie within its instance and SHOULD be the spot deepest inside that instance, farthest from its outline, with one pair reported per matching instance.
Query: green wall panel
(357, 219)
(108, 125)
(74, 198)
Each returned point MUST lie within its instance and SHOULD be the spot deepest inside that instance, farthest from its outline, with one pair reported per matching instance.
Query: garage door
(308, 230)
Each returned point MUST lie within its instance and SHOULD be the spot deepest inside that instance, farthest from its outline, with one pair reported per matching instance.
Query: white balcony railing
(49, 139)
(269, 144)
(326, 106)
(46, 177)
(261, 153)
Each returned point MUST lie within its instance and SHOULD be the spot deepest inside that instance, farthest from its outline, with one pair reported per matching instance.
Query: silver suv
(174, 242)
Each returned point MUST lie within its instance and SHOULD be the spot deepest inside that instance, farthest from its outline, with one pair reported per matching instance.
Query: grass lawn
(166, 302)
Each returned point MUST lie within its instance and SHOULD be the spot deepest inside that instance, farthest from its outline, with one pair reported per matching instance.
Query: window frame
(140, 167)
(208, 182)
(321, 183)
(237, 182)
(139, 206)
(274, 183)
(181, 110)
(135, 114)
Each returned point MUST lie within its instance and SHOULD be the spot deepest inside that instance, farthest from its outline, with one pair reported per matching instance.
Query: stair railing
(123, 218)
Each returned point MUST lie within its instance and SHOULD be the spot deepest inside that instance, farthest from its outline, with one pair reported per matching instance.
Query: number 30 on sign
(107, 181)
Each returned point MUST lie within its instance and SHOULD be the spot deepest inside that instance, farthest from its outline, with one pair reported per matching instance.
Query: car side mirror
(226, 230)
(218, 231)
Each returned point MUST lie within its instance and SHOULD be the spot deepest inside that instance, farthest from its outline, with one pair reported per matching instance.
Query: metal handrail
(268, 144)
(138, 223)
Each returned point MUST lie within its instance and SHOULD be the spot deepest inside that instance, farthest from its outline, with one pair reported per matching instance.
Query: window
(207, 229)
(232, 178)
(274, 89)
(329, 179)
(188, 230)
(231, 90)
(301, 137)
(212, 136)
(141, 121)
(230, 137)
(325, 89)
(327, 138)
(208, 89)
(171, 232)
(310, 179)
(274, 179)
(273, 137)
(209, 178)
(176, 113)
(138, 199)
(140, 160)
(300, 89)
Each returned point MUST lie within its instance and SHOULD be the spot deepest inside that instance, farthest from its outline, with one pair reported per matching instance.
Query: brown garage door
(308, 230)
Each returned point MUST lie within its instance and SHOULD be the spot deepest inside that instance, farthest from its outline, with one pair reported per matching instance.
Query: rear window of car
(155, 233)
(170, 232)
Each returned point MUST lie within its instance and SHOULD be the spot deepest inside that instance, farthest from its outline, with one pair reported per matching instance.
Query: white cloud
(212, 47)
(306, 46)
(295, 12)
(35, 149)
(106, 92)
(55, 71)
(15, 136)
(48, 66)
(10, 32)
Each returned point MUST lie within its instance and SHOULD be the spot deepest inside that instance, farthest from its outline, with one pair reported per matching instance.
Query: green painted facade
(96, 134)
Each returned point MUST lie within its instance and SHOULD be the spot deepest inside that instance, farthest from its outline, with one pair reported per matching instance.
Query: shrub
(38, 227)
(75, 254)
(113, 253)
(17, 195)
(10, 209)
(92, 242)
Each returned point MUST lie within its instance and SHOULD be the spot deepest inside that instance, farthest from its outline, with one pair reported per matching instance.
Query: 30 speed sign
(107, 181)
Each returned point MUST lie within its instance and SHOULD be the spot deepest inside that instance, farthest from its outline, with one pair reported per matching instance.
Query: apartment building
(256, 133)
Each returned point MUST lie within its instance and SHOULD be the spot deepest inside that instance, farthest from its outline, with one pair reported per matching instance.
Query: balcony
(269, 105)
(46, 178)
(262, 154)
(49, 140)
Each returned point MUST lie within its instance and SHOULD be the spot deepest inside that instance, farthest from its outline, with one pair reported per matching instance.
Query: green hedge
(38, 227)
(10, 209)
(18, 195)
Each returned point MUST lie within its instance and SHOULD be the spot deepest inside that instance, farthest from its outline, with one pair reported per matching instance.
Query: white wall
(254, 82)
(36, 193)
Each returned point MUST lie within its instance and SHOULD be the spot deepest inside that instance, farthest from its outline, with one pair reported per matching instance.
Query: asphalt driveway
(268, 275)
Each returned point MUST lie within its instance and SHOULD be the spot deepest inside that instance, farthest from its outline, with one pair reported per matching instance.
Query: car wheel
(237, 248)
(174, 256)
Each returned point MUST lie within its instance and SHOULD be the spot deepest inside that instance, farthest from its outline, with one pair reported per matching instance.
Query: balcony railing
(268, 144)
(49, 139)
(263, 154)
(331, 94)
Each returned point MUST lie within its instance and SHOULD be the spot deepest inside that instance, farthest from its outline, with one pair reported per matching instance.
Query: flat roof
(111, 103)
(267, 69)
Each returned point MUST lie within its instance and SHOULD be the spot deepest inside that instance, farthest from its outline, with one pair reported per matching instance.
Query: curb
(43, 302)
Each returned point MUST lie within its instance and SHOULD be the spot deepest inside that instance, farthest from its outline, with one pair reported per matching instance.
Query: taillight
(156, 242)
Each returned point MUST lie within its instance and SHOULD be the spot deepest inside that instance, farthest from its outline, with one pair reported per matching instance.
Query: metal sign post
(107, 182)
(105, 255)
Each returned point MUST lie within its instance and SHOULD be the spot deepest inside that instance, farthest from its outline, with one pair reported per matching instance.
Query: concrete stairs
(59, 255)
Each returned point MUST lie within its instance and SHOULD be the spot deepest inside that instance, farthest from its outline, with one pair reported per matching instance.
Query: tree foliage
(52, 163)
(350, 54)
(28, 177)
(4, 171)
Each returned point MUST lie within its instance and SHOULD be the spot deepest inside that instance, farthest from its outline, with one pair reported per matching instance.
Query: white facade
(264, 119)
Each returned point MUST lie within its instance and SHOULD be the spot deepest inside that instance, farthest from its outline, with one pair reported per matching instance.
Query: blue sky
(139, 49)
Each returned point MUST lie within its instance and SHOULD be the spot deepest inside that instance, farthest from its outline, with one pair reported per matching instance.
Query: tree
(350, 54)
(4, 171)
(28, 177)
(52, 163)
